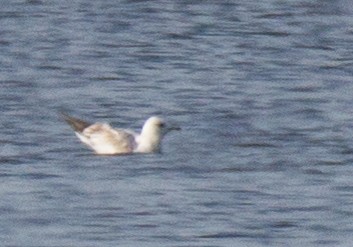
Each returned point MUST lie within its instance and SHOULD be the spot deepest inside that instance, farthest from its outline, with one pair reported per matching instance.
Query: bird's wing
(103, 139)
(77, 124)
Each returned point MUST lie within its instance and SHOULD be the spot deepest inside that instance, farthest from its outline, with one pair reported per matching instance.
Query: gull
(106, 140)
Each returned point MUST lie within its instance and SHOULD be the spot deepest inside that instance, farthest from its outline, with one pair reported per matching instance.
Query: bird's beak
(174, 126)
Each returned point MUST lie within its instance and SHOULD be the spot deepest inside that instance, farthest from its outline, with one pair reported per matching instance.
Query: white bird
(105, 140)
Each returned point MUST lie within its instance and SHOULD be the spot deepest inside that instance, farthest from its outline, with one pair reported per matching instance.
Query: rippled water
(262, 90)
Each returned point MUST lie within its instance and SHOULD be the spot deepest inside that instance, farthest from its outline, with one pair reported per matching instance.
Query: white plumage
(104, 139)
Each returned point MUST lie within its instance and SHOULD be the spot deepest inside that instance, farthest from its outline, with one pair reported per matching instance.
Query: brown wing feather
(77, 124)
(103, 139)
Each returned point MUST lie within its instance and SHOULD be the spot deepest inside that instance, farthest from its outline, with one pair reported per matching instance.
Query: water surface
(262, 91)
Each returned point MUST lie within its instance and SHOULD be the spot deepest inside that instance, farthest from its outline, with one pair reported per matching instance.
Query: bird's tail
(77, 124)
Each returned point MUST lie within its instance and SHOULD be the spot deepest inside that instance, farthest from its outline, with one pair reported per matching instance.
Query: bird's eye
(161, 125)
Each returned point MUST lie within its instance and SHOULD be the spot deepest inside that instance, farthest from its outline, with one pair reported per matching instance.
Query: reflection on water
(263, 94)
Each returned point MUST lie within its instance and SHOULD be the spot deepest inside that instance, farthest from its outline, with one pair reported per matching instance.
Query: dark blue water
(262, 90)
